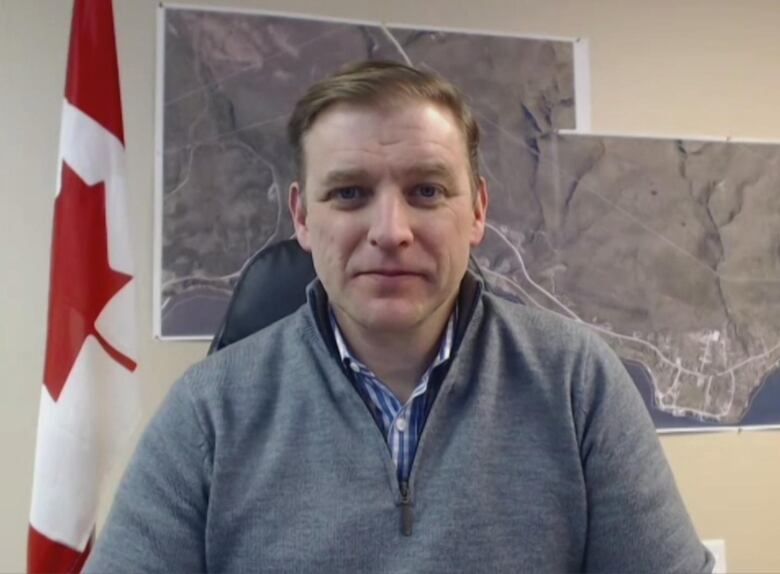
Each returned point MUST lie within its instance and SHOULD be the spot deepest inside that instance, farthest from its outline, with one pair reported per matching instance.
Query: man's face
(389, 213)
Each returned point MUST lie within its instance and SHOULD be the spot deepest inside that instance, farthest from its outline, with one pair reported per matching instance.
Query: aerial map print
(669, 249)
(230, 83)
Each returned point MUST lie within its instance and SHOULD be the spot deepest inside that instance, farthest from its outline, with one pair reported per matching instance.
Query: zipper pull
(406, 510)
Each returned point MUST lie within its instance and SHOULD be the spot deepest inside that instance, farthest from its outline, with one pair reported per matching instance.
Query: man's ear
(480, 213)
(297, 207)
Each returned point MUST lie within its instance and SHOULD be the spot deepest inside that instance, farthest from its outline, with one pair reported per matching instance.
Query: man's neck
(400, 358)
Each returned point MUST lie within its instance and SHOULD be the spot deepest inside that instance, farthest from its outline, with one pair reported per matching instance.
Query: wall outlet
(718, 548)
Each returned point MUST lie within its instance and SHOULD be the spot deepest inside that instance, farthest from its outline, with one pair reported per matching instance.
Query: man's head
(373, 83)
(389, 201)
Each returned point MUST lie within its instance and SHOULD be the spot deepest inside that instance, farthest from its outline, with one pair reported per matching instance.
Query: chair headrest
(272, 285)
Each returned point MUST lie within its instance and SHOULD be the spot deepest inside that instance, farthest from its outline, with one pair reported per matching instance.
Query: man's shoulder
(549, 341)
(242, 363)
(533, 326)
(556, 352)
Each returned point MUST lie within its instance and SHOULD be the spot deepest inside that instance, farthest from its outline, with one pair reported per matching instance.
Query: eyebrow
(429, 170)
(339, 177)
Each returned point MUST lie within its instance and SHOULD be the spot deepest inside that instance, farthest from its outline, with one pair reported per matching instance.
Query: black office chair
(272, 285)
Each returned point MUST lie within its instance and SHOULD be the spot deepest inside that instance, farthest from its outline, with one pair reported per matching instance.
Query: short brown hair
(379, 82)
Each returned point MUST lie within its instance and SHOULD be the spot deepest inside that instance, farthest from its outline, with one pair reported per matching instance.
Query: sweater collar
(471, 288)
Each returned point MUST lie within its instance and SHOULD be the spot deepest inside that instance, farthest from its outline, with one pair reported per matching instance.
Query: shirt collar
(445, 346)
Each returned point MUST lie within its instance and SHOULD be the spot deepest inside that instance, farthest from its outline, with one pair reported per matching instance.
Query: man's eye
(348, 193)
(427, 191)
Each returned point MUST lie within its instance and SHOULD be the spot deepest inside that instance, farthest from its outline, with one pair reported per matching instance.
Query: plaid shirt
(401, 424)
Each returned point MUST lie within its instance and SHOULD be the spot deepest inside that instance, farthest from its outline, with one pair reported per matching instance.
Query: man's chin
(390, 323)
(388, 316)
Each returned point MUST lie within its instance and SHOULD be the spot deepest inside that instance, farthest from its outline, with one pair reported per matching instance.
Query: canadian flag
(90, 399)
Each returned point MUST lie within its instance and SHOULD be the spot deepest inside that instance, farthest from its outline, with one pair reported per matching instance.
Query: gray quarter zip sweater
(538, 455)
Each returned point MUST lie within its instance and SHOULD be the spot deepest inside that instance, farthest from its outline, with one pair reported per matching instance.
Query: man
(403, 420)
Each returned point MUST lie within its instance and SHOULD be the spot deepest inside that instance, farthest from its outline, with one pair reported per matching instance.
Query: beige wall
(662, 67)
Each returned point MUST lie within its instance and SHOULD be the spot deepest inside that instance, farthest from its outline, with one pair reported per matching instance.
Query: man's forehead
(412, 109)
(344, 127)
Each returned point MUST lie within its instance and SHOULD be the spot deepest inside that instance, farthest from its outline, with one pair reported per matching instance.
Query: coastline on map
(764, 402)
(763, 409)
(662, 419)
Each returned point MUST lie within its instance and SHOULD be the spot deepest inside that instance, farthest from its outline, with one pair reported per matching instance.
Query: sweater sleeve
(157, 521)
(637, 521)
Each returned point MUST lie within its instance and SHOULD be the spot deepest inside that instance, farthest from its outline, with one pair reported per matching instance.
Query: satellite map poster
(669, 249)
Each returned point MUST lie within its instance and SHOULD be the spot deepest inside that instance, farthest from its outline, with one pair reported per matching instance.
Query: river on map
(198, 313)
(764, 404)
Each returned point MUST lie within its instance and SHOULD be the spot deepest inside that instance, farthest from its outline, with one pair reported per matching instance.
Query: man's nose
(390, 226)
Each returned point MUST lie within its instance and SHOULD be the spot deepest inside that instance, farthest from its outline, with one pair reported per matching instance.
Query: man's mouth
(390, 272)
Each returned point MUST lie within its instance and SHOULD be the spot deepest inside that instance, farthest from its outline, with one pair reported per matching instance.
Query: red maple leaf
(81, 280)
